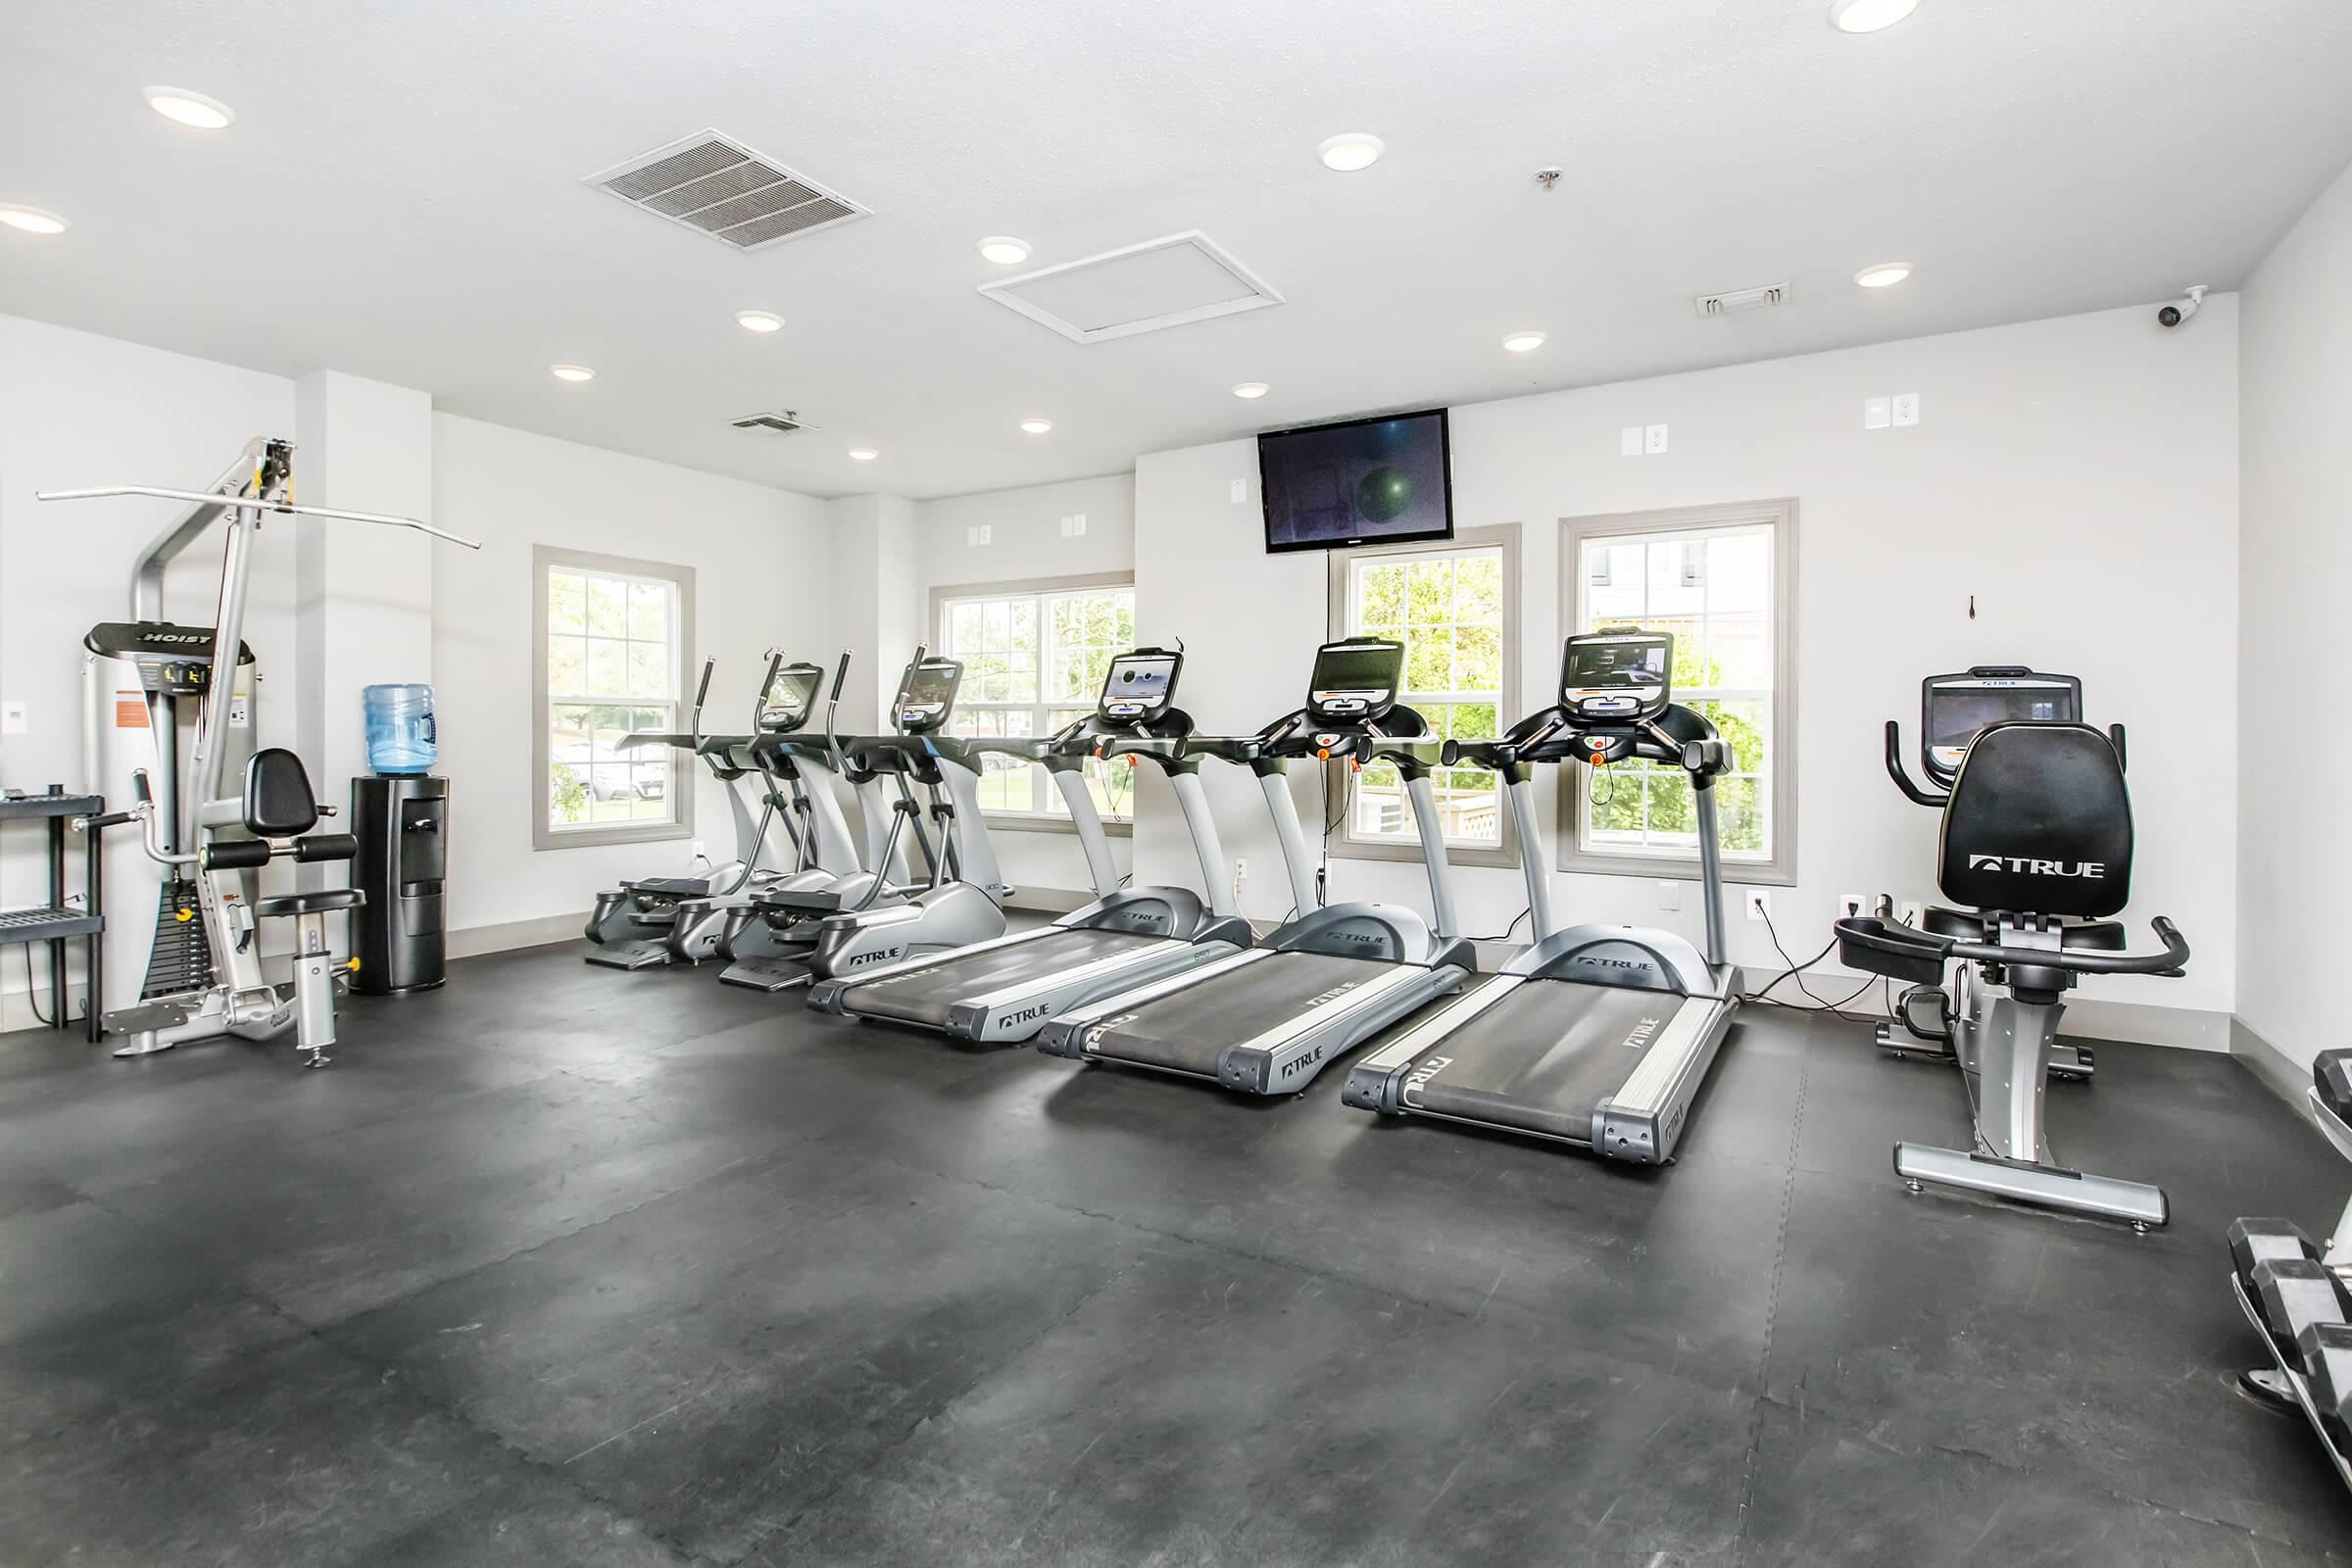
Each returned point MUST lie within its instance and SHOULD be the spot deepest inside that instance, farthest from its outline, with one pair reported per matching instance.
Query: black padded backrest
(2039, 822)
(279, 802)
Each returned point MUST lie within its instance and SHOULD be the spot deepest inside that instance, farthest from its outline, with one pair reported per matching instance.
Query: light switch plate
(12, 718)
(1628, 441)
(1877, 412)
(1241, 490)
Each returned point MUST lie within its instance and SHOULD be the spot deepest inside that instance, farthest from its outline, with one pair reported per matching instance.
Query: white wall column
(364, 595)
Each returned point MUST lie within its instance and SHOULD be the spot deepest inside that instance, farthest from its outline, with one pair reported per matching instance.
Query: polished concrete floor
(563, 1266)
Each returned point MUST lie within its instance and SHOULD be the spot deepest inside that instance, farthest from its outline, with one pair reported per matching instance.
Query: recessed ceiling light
(190, 108)
(1036, 426)
(1884, 274)
(571, 372)
(1004, 250)
(1869, 16)
(1352, 150)
(1251, 389)
(33, 220)
(1523, 342)
(760, 320)
(864, 454)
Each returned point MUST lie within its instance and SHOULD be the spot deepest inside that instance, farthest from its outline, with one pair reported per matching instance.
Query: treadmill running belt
(1188, 1030)
(923, 996)
(1544, 1058)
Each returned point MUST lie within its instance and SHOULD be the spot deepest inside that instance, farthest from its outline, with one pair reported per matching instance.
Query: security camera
(2182, 309)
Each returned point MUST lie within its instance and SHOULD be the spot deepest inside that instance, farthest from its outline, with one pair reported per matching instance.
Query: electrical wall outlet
(1906, 408)
(1757, 902)
(1241, 491)
(12, 718)
(698, 852)
(1654, 439)
(1850, 904)
(1910, 911)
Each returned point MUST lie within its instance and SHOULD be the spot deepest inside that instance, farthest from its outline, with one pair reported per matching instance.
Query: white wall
(760, 563)
(2077, 476)
(2295, 571)
(1025, 542)
(79, 410)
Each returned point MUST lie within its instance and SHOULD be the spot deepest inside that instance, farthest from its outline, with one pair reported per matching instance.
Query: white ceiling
(401, 197)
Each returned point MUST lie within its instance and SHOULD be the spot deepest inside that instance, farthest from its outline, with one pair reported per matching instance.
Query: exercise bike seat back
(2038, 823)
(278, 804)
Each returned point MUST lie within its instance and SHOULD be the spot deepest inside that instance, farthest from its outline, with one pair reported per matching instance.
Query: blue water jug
(400, 729)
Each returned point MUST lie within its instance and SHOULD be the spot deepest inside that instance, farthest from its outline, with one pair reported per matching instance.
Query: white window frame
(548, 561)
(1779, 518)
(1502, 537)
(1047, 815)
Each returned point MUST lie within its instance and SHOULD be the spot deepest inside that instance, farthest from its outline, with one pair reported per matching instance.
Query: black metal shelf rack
(58, 922)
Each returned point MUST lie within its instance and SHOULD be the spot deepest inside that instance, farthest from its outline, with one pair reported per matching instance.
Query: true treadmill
(1005, 989)
(1264, 1021)
(1599, 1036)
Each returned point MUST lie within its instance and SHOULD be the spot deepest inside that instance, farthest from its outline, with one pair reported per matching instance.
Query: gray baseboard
(475, 941)
(2280, 1072)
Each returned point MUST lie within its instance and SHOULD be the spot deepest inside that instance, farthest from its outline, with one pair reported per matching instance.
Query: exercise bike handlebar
(1901, 776)
(215, 498)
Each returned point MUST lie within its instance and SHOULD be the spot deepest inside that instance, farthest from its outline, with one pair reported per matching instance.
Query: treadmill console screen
(1617, 677)
(1139, 685)
(1357, 681)
(1955, 709)
(927, 695)
(784, 706)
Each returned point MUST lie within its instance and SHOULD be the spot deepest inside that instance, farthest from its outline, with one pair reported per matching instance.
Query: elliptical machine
(2036, 842)
(824, 932)
(167, 711)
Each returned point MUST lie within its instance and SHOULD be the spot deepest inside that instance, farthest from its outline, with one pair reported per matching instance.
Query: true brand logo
(1641, 1033)
(2024, 866)
(1420, 1076)
(857, 959)
(1024, 1014)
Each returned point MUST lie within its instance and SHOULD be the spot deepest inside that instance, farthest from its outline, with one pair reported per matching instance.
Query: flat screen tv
(1366, 481)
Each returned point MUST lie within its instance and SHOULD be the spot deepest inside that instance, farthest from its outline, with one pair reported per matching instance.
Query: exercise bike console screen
(1617, 677)
(790, 696)
(1138, 687)
(927, 696)
(1355, 682)
(1954, 709)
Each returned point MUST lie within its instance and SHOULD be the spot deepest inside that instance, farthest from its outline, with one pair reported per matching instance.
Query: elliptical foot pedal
(630, 955)
(766, 974)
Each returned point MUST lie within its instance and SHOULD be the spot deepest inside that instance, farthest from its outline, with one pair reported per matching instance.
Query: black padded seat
(319, 902)
(1977, 925)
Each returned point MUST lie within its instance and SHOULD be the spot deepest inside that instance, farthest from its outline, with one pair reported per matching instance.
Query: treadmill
(1267, 1019)
(1599, 1036)
(1004, 990)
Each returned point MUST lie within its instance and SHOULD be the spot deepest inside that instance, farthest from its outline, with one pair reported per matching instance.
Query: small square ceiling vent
(715, 185)
(1137, 288)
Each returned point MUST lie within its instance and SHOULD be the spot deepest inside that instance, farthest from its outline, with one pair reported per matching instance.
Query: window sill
(590, 838)
(1029, 822)
(1674, 869)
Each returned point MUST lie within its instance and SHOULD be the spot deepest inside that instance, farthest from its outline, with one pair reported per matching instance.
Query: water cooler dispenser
(399, 816)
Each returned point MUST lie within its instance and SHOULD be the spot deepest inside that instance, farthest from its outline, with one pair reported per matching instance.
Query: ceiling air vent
(1137, 288)
(783, 422)
(715, 185)
(1743, 299)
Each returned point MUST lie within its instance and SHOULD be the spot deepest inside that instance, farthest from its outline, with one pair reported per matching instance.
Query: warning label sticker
(131, 711)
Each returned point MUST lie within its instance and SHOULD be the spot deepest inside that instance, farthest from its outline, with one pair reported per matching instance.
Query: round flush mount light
(190, 108)
(1004, 250)
(571, 372)
(760, 320)
(1869, 16)
(32, 220)
(1251, 389)
(1882, 274)
(1036, 426)
(1523, 342)
(864, 454)
(1351, 150)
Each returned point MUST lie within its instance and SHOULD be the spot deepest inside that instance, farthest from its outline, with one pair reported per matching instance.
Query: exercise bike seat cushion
(2038, 820)
(1978, 925)
(321, 901)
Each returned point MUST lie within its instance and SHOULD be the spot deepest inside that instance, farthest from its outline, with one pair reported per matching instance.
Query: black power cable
(1796, 971)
